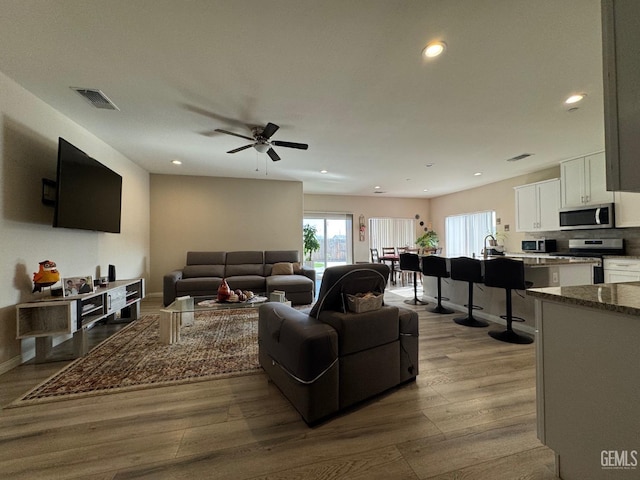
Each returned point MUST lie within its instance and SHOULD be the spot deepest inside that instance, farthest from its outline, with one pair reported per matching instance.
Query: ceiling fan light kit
(262, 141)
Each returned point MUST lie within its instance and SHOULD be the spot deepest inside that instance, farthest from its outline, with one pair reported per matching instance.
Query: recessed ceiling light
(425, 190)
(428, 165)
(324, 171)
(176, 162)
(575, 98)
(433, 49)
(377, 187)
(477, 174)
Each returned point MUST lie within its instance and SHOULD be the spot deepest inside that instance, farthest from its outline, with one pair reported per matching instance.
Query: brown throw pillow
(297, 267)
(282, 268)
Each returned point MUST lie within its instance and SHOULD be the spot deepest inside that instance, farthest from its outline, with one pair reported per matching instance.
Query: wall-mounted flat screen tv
(89, 195)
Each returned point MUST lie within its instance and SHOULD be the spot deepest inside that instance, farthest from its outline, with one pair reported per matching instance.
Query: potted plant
(310, 242)
(428, 240)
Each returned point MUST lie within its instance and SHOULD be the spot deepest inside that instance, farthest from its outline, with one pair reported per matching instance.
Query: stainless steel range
(593, 248)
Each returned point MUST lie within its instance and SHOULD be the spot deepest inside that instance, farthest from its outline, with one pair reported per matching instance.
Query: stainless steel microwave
(539, 245)
(587, 217)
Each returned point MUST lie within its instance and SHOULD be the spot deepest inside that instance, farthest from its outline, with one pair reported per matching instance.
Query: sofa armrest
(309, 273)
(169, 286)
(303, 346)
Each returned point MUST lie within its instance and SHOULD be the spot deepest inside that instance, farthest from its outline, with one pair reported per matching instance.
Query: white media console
(47, 318)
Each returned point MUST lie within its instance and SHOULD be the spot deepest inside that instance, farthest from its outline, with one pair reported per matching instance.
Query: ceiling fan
(262, 141)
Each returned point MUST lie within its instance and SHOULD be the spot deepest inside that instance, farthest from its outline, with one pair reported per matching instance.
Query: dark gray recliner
(331, 358)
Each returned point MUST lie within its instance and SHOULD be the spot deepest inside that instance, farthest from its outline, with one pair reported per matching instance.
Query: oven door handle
(598, 221)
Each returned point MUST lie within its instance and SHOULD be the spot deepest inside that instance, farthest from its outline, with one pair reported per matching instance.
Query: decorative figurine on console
(46, 276)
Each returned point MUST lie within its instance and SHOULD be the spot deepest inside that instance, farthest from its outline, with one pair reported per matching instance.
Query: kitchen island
(588, 378)
(539, 271)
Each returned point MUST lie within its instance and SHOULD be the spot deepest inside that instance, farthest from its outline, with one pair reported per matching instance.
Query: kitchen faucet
(485, 254)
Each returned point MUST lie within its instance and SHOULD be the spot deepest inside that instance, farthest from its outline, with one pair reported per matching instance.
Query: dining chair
(375, 258)
(403, 274)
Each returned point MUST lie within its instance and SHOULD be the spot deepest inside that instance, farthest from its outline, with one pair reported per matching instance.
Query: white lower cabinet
(621, 270)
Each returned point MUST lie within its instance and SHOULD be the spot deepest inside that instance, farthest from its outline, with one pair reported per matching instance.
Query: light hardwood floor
(470, 415)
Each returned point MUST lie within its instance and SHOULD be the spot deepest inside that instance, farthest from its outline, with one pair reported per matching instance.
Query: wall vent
(96, 98)
(519, 157)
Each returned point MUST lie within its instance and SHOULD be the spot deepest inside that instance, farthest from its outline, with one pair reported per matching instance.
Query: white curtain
(391, 232)
(465, 233)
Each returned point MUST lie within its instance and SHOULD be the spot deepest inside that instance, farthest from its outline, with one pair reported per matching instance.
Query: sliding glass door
(334, 233)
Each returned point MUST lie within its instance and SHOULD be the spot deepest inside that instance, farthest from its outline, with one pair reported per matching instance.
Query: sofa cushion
(272, 257)
(196, 271)
(206, 258)
(289, 283)
(255, 283)
(198, 286)
(361, 331)
(244, 263)
(282, 268)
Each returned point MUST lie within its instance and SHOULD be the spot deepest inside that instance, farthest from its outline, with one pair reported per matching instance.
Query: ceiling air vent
(96, 98)
(519, 157)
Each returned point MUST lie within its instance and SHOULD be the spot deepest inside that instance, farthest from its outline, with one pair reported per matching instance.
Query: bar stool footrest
(513, 318)
(474, 307)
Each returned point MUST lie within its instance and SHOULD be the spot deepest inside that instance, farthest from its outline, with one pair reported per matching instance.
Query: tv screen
(89, 195)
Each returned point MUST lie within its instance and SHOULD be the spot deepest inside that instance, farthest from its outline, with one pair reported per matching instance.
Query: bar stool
(507, 273)
(468, 270)
(410, 262)
(434, 266)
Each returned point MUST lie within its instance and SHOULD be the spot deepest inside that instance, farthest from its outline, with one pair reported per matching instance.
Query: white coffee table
(181, 313)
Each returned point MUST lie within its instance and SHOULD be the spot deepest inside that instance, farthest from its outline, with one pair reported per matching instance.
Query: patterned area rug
(219, 344)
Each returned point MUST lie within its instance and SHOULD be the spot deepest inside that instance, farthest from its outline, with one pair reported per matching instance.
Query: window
(465, 233)
(391, 232)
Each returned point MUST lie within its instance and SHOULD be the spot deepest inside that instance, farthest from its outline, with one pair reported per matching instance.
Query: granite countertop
(614, 297)
(548, 261)
(553, 261)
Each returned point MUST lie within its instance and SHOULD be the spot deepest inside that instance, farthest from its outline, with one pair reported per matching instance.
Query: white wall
(499, 196)
(220, 214)
(29, 131)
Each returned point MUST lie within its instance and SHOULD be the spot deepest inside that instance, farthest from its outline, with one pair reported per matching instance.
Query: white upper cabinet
(537, 206)
(627, 209)
(621, 65)
(583, 181)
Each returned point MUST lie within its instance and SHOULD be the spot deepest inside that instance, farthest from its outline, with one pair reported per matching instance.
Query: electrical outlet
(554, 277)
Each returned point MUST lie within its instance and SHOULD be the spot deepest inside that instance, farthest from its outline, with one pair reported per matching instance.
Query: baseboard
(10, 364)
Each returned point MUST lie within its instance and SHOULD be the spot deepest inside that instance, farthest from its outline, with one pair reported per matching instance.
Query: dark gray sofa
(330, 359)
(244, 270)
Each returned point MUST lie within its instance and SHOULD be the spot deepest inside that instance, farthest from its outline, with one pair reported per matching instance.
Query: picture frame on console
(77, 285)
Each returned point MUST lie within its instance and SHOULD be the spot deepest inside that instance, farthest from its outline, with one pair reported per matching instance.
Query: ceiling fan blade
(235, 150)
(301, 146)
(234, 134)
(272, 153)
(269, 130)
